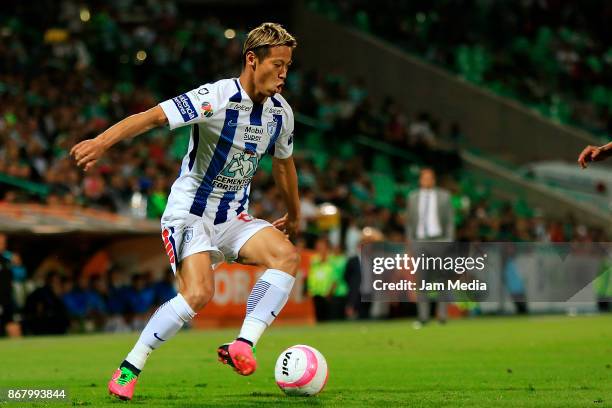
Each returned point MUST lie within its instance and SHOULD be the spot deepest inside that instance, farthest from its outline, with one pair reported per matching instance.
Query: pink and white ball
(301, 370)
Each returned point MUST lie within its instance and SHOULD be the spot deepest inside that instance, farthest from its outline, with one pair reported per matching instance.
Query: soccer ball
(301, 370)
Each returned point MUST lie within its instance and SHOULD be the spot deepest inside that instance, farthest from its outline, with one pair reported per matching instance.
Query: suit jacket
(446, 215)
(352, 276)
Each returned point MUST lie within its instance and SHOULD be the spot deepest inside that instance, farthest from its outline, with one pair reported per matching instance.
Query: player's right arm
(195, 106)
(594, 153)
(87, 152)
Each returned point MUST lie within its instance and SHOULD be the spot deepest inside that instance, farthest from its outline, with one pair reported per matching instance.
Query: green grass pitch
(512, 362)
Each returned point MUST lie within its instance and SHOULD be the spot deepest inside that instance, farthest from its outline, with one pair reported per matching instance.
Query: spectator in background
(512, 279)
(75, 299)
(430, 218)
(13, 258)
(352, 237)
(6, 294)
(85, 303)
(421, 134)
(429, 213)
(12, 261)
(119, 193)
(141, 297)
(309, 209)
(20, 275)
(158, 198)
(97, 295)
(164, 289)
(117, 302)
(355, 308)
(44, 311)
(325, 281)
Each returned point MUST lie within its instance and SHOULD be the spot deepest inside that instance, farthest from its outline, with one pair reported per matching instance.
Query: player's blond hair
(262, 38)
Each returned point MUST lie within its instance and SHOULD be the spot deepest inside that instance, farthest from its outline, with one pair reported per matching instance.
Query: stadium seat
(384, 187)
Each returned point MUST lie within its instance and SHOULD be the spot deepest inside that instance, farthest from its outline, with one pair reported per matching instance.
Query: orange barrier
(233, 283)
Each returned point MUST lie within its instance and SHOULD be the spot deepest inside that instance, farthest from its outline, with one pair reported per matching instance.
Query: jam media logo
(272, 126)
(242, 165)
(207, 109)
(185, 107)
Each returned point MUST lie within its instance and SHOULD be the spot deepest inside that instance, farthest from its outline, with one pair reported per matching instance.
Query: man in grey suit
(430, 218)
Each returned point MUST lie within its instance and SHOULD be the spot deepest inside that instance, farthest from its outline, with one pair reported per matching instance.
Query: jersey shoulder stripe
(195, 135)
(278, 123)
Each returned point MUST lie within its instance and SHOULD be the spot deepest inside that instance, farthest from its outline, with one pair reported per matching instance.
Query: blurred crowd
(94, 67)
(97, 66)
(553, 55)
(59, 301)
(62, 85)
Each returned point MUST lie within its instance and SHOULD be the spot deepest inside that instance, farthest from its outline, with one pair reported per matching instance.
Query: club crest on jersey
(207, 109)
(272, 126)
(188, 234)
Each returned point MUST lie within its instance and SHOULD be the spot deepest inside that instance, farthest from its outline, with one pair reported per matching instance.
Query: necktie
(426, 214)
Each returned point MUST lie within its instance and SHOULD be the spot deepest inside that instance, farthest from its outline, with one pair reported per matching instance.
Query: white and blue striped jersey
(229, 136)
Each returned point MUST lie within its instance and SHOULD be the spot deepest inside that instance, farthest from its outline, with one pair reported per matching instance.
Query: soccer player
(594, 153)
(234, 122)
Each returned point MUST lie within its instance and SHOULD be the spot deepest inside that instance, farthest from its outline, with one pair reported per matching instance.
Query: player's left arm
(285, 178)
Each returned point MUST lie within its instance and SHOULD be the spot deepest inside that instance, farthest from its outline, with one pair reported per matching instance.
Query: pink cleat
(122, 384)
(240, 355)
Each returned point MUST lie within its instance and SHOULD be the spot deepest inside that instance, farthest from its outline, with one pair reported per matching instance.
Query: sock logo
(157, 337)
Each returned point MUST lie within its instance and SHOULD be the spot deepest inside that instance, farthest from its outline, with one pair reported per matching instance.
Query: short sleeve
(191, 107)
(283, 148)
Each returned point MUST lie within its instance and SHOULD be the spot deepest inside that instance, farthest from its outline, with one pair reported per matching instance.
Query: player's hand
(87, 153)
(590, 153)
(290, 226)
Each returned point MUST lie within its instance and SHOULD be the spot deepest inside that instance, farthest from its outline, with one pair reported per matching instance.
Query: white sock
(163, 325)
(267, 299)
